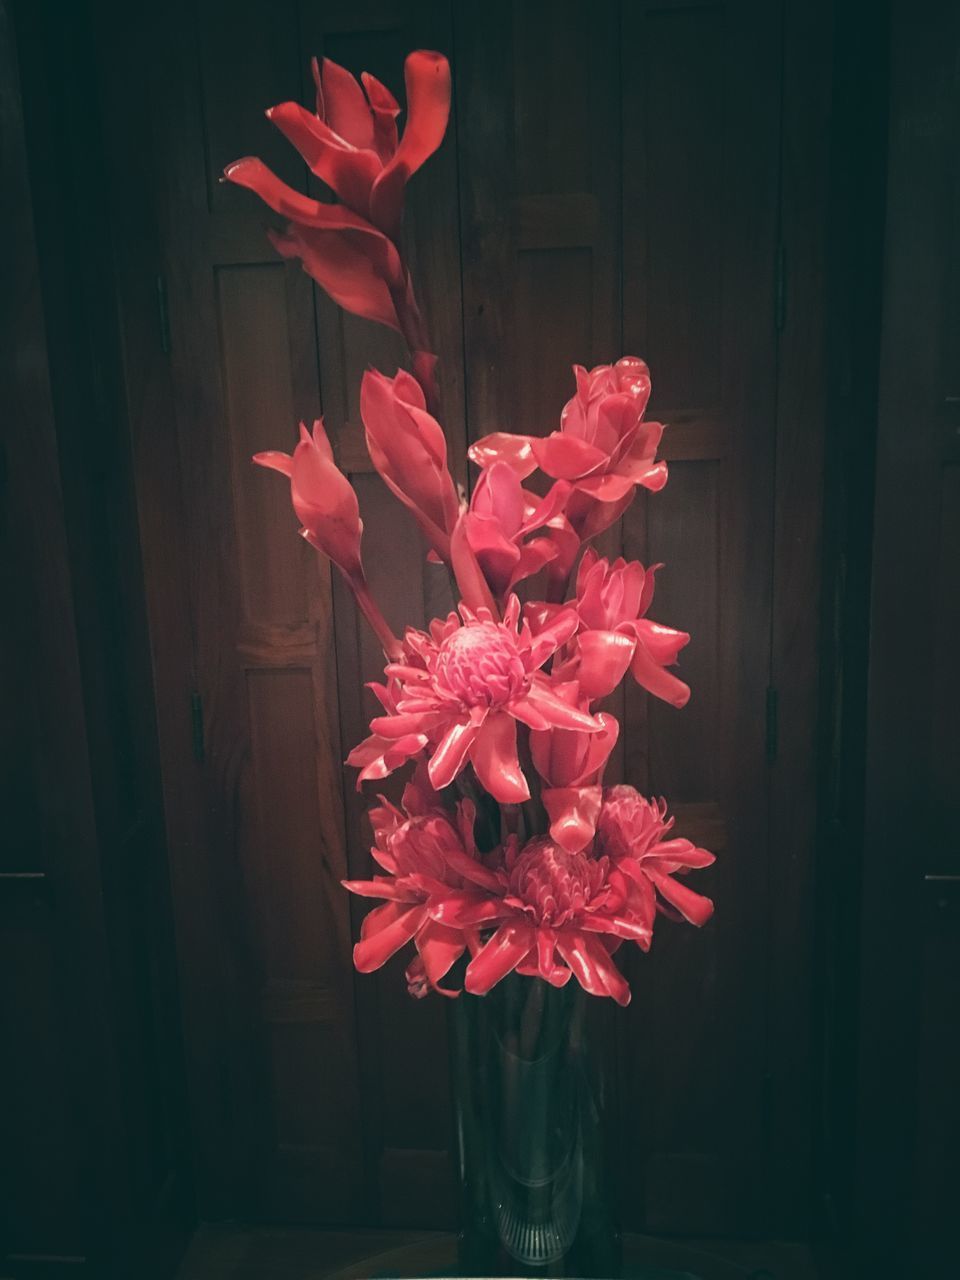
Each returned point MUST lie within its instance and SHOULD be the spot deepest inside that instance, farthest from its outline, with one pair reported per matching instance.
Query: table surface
(235, 1252)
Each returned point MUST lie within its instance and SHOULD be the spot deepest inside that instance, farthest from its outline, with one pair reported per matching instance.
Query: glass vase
(533, 1107)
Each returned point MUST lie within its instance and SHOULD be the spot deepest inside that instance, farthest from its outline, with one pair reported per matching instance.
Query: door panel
(609, 184)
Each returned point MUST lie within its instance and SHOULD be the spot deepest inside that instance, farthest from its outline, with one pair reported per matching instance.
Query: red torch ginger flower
(407, 446)
(494, 537)
(351, 144)
(631, 832)
(611, 600)
(326, 505)
(603, 447)
(463, 686)
(571, 764)
(555, 913)
(427, 855)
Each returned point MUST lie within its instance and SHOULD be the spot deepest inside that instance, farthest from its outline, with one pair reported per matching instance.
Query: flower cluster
(508, 852)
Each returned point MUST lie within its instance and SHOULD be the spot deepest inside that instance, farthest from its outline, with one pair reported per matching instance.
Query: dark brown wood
(89, 1028)
(907, 1155)
(701, 136)
(808, 60)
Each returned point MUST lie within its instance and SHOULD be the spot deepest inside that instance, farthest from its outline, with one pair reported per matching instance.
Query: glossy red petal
(566, 457)
(342, 267)
(385, 930)
(497, 555)
(382, 887)
(533, 556)
(439, 947)
(385, 110)
(592, 966)
(573, 813)
(451, 755)
(494, 758)
(657, 680)
(345, 105)
(255, 176)
(508, 947)
(427, 79)
(561, 714)
(662, 643)
(464, 910)
(604, 659)
(471, 580)
(275, 461)
(502, 446)
(349, 173)
(692, 906)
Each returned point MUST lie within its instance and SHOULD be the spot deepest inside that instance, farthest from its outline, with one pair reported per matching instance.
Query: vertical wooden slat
(700, 143)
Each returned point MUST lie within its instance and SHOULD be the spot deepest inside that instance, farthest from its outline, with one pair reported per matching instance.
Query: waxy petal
(573, 813)
(566, 457)
(604, 657)
(508, 947)
(657, 680)
(592, 966)
(427, 79)
(343, 267)
(451, 755)
(502, 446)
(385, 930)
(494, 758)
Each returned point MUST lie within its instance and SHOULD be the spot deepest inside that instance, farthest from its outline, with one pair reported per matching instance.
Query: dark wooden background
(699, 184)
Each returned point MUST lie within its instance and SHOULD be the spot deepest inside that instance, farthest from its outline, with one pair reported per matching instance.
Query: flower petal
(573, 813)
(657, 680)
(494, 758)
(427, 79)
(504, 446)
(343, 267)
(439, 947)
(508, 947)
(451, 755)
(384, 932)
(603, 660)
(566, 457)
(592, 966)
(692, 906)
(463, 910)
(345, 105)
(348, 172)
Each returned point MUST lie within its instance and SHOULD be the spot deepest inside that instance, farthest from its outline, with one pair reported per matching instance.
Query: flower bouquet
(508, 867)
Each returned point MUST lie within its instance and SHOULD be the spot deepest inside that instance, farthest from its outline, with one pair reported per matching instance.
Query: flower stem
(371, 611)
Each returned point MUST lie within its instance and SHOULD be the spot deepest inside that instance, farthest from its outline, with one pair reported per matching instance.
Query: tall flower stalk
(509, 848)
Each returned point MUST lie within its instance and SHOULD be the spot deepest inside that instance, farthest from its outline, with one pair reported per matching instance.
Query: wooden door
(610, 184)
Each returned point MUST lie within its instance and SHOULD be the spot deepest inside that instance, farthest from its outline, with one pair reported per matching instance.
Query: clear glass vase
(533, 1107)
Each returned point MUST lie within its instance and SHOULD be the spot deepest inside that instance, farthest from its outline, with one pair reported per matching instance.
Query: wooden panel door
(610, 185)
(316, 1100)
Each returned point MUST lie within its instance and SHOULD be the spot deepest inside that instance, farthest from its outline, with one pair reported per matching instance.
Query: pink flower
(408, 448)
(554, 913)
(463, 686)
(630, 832)
(427, 855)
(326, 505)
(323, 497)
(351, 144)
(611, 600)
(603, 447)
(571, 764)
(496, 529)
